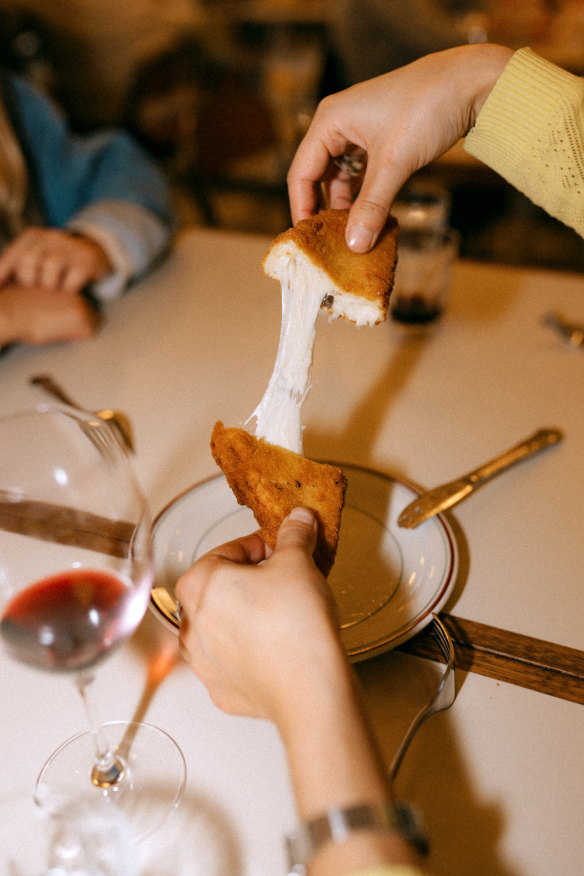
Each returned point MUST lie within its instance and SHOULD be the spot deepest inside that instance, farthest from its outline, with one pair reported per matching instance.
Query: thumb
(299, 530)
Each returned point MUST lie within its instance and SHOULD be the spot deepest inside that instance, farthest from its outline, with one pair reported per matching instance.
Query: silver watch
(337, 824)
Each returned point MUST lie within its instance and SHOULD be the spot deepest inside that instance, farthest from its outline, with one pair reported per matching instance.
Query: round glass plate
(387, 581)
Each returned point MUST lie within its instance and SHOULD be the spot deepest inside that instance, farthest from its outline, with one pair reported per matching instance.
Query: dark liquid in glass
(415, 309)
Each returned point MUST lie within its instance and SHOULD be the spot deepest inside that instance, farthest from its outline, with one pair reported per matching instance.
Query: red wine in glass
(75, 578)
(68, 621)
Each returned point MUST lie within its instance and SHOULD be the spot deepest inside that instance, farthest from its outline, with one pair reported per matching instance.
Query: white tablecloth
(499, 776)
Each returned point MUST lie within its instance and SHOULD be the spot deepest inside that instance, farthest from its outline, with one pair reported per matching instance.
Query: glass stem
(108, 770)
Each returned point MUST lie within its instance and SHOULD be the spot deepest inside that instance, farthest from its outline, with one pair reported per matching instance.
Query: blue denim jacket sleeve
(103, 185)
(74, 171)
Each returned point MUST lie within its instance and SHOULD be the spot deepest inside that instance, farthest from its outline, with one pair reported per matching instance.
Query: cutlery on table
(118, 421)
(442, 699)
(571, 331)
(449, 494)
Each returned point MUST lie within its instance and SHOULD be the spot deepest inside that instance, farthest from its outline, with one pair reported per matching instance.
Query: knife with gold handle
(447, 495)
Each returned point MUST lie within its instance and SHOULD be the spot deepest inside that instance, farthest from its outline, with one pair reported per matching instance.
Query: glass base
(151, 783)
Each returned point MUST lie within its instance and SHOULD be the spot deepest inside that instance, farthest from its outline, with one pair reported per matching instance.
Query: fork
(571, 331)
(442, 699)
(118, 421)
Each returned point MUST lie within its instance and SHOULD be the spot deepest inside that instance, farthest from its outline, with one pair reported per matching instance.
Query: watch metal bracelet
(337, 824)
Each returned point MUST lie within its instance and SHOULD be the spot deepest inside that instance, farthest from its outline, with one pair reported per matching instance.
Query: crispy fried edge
(322, 237)
(230, 446)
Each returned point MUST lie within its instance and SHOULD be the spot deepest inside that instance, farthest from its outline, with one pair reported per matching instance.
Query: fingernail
(359, 238)
(304, 515)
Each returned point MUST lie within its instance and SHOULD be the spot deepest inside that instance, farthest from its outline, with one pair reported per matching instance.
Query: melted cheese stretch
(278, 413)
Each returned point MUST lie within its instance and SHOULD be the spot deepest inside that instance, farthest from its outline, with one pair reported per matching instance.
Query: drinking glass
(423, 275)
(76, 570)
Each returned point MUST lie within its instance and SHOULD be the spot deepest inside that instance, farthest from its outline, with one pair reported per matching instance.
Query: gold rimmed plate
(387, 581)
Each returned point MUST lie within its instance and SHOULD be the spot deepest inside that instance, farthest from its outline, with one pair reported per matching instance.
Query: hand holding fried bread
(263, 639)
(272, 481)
(402, 121)
(237, 616)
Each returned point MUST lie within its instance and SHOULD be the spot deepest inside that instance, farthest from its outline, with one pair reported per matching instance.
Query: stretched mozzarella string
(278, 415)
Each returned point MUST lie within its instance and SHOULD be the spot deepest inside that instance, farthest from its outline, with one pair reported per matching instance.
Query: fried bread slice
(267, 472)
(316, 269)
(272, 481)
(354, 285)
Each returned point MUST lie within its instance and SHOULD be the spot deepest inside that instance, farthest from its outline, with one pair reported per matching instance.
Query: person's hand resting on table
(402, 121)
(53, 258)
(263, 638)
(42, 275)
(33, 315)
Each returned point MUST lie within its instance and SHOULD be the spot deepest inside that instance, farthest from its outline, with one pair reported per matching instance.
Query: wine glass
(76, 570)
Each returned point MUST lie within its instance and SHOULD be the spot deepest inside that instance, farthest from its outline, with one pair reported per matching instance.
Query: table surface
(498, 776)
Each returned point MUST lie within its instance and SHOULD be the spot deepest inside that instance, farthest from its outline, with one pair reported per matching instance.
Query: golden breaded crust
(322, 238)
(272, 481)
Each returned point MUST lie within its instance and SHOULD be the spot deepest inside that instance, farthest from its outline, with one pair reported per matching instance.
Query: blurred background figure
(96, 50)
(165, 70)
(81, 217)
(372, 37)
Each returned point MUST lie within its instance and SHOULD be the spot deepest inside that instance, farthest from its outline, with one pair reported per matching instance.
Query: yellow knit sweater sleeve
(531, 132)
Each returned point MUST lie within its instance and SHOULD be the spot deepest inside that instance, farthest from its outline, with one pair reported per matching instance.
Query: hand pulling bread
(272, 481)
(268, 471)
(313, 263)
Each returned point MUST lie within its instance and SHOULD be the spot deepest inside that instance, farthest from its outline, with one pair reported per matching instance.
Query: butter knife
(447, 495)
